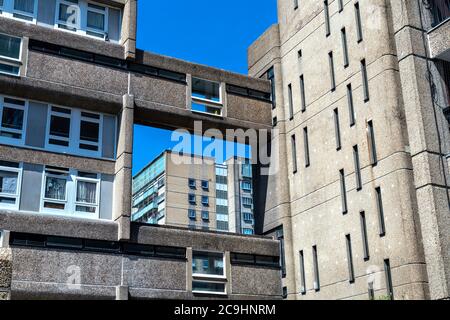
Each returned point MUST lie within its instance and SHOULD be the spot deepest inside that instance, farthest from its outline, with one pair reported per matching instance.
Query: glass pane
(208, 263)
(207, 109)
(205, 89)
(55, 188)
(12, 118)
(5, 68)
(208, 286)
(69, 14)
(10, 46)
(1, 3)
(85, 209)
(87, 192)
(96, 20)
(8, 182)
(60, 126)
(89, 131)
(24, 5)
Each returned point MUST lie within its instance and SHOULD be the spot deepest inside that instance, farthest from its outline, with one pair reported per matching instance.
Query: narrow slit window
(340, 5)
(357, 168)
(302, 93)
(343, 191)
(365, 80)
(302, 273)
(306, 145)
(388, 276)
(365, 238)
(291, 102)
(337, 129)
(351, 269)
(359, 31)
(344, 47)
(380, 209)
(316, 269)
(372, 144)
(271, 78)
(351, 108)
(332, 73)
(294, 154)
(326, 11)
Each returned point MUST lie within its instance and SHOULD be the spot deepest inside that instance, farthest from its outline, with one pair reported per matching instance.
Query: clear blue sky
(214, 33)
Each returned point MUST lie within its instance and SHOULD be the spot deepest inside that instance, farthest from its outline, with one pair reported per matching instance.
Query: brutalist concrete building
(361, 104)
(72, 85)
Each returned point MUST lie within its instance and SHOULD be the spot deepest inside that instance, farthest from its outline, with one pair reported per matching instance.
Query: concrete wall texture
(411, 138)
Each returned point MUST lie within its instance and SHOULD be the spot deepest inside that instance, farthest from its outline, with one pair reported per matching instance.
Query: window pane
(12, 118)
(1, 3)
(205, 89)
(5, 68)
(10, 46)
(8, 182)
(208, 263)
(87, 192)
(208, 286)
(60, 126)
(89, 131)
(55, 188)
(24, 5)
(96, 20)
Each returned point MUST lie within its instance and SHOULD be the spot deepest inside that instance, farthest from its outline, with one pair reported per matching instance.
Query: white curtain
(96, 20)
(24, 5)
(86, 192)
(8, 182)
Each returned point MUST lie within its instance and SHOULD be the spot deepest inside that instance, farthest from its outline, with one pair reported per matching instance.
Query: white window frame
(71, 196)
(8, 11)
(207, 102)
(13, 141)
(74, 133)
(82, 28)
(17, 195)
(11, 61)
(200, 277)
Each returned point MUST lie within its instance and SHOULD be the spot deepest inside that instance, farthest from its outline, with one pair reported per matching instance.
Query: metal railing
(440, 11)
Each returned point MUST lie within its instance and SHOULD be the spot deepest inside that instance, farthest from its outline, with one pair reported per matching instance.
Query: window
(246, 186)
(337, 129)
(74, 131)
(192, 214)
(247, 202)
(294, 154)
(205, 200)
(316, 269)
(248, 231)
(388, 276)
(359, 32)
(351, 109)
(302, 274)
(25, 9)
(205, 215)
(340, 5)
(10, 185)
(280, 238)
(306, 143)
(192, 183)
(440, 11)
(191, 199)
(12, 117)
(344, 47)
(295, 4)
(357, 168)
(302, 92)
(248, 217)
(271, 78)
(206, 97)
(351, 270)
(380, 209)
(96, 20)
(247, 170)
(365, 80)
(372, 144)
(291, 102)
(343, 192)
(332, 74)
(70, 192)
(326, 11)
(208, 272)
(274, 121)
(364, 235)
(205, 185)
(69, 15)
(10, 54)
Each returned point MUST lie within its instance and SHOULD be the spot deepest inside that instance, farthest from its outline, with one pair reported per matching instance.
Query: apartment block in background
(72, 87)
(361, 198)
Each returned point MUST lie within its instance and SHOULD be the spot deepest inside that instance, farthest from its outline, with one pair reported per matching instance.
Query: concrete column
(5, 273)
(122, 293)
(123, 174)
(189, 269)
(129, 26)
(227, 266)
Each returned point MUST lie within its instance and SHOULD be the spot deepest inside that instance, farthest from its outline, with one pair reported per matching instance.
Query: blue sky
(214, 33)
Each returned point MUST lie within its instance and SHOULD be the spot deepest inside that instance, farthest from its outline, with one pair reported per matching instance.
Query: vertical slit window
(388, 276)
(365, 238)
(306, 142)
(344, 47)
(316, 269)
(351, 108)
(332, 74)
(302, 92)
(291, 102)
(294, 154)
(351, 270)
(365, 80)
(271, 78)
(337, 129)
(340, 5)
(357, 168)
(380, 210)
(372, 144)
(326, 11)
(295, 4)
(359, 31)
(343, 192)
(302, 273)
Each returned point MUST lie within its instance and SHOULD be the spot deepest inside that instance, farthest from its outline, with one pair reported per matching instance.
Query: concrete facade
(58, 82)
(377, 129)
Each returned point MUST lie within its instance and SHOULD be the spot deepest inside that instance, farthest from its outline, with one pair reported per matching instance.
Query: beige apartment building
(361, 96)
